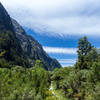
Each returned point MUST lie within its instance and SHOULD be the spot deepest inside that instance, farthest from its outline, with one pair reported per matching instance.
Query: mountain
(21, 49)
(33, 49)
(5, 21)
(8, 41)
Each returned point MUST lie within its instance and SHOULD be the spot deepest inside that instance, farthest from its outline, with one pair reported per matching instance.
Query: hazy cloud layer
(57, 17)
(67, 62)
(60, 50)
(70, 61)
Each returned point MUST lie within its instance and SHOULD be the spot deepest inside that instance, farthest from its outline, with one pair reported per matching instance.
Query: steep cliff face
(33, 49)
(8, 41)
(21, 49)
(5, 21)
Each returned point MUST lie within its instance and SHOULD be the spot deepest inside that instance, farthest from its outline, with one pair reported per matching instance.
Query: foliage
(38, 64)
(2, 53)
(81, 82)
(21, 83)
(84, 49)
(10, 49)
(5, 64)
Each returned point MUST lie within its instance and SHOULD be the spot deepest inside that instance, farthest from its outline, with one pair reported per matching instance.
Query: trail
(52, 90)
(57, 93)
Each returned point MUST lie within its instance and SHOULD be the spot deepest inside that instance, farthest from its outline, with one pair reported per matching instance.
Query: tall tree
(84, 48)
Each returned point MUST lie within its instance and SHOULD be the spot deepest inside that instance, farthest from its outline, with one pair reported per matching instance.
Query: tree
(96, 70)
(2, 53)
(84, 48)
(38, 64)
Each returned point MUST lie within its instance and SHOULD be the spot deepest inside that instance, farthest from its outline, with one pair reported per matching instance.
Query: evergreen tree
(84, 48)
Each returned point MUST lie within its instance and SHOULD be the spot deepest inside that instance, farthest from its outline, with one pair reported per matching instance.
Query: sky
(58, 24)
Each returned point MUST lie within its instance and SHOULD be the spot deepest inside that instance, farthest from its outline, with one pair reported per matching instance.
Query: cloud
(70, 61)
(67, 65)
(57, 17)
(67, 62)
(57, 50)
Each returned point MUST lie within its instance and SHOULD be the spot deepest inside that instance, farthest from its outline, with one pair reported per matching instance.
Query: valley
(27, 72)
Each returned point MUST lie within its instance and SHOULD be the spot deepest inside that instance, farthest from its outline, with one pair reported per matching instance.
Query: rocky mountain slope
(8, 41)
(27, 47)
(5, 21)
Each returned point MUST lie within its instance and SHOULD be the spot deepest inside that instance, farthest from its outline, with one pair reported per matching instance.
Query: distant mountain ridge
(30, 49)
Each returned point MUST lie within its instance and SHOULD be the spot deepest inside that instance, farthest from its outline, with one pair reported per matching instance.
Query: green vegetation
(20, 81)
(80, 82)
(25, 84)
(10, 50)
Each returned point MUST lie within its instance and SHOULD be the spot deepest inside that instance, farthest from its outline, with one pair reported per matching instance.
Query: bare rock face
(31, 49)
